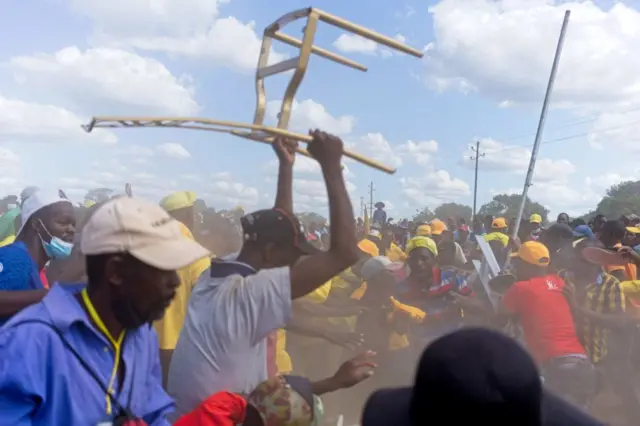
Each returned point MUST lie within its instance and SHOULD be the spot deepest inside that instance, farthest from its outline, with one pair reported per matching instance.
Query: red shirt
(43, 278)
(545, 316)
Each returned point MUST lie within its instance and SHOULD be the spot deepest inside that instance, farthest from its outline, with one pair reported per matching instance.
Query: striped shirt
(605, 296)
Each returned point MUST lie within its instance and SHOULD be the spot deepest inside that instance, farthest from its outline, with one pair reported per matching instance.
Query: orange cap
(437, 227)
(499, 223)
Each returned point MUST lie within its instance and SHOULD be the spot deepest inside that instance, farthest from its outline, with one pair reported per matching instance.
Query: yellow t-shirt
(283, 360)
(499, 236)
(169, 327)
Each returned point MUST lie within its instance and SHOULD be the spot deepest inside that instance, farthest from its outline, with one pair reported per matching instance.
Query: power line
(567, 124)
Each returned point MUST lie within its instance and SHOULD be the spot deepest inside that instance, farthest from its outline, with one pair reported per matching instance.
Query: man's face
(563, 218)
(140, 293)
(535, 226)
(463, 236)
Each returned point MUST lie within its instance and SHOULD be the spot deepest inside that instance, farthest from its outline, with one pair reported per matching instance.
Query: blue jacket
(42, 382)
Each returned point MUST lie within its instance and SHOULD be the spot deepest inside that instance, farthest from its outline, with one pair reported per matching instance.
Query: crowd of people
(123, 315)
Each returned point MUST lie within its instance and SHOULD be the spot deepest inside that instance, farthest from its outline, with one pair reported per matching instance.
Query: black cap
(276, 226)
(474, 376)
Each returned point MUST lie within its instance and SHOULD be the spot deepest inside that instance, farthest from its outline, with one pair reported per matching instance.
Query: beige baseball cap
(145, 230)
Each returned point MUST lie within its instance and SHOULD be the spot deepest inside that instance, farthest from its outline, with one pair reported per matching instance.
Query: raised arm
(313, 271)
(286, 151)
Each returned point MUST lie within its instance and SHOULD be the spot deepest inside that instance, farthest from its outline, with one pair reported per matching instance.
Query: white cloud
(191, 28)
(480, 45)
(228, 193)
(41, 122)
(11, 178)
(353, 43)
(420, 152)
(174, 150)
(310, 114)
(515, 159)
(144, 17)
(102, 78)
(375, 146)
(433, 188)
(616, 130)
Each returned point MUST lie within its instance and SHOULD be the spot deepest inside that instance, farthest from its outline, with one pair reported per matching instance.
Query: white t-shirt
(223, 344)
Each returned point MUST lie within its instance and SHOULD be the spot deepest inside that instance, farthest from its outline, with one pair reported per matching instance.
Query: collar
(225, 268)
(64, 309)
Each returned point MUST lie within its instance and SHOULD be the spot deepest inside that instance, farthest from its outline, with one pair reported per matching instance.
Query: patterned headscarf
(287, 401)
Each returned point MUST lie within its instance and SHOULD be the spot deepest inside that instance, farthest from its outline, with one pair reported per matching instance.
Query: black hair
(563, 214)
(577, 222)
(614, 229)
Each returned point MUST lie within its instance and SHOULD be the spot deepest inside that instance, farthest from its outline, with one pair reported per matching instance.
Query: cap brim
(388, 407)
(171, 255)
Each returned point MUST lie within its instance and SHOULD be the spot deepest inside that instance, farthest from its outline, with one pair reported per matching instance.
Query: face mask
(57, 248)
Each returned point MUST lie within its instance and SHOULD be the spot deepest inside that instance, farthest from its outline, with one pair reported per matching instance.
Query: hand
(326, 148)
(350, 341)
(630, 254)
(285, 150)
(355, 370)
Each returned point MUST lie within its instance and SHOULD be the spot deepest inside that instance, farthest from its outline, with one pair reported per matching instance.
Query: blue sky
(483, 77)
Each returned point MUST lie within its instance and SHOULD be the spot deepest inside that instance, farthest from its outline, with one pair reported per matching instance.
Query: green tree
(621, 199)
(458, 211)
(424, 215)
(507, 205)
(99, 194)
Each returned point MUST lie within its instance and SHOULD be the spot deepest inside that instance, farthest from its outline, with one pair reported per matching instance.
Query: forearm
(343, 229)
(12, 302)
(284, 194)
(323, 386)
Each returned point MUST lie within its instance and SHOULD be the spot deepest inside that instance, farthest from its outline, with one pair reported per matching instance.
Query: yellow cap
(423, 231)
(369, 247)
(633, 229)
(499, 223)
(534, 253)
(437, 227)
(535, 218)
(422, 242)
(178, 200)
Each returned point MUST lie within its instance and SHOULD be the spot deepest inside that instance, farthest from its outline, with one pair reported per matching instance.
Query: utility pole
(476, 157)
(371, 200)
(362, 207)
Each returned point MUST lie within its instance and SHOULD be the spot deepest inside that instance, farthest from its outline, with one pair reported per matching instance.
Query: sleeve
(159, 404)
(259, 303)
(16, 271)
(511, 299)
(22, 380)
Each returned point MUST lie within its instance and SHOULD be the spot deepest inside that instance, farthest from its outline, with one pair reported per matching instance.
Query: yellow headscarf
(178, 200)
(424, 242)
